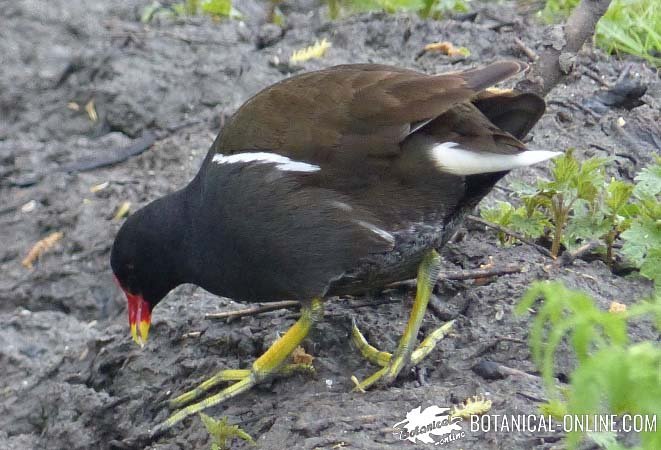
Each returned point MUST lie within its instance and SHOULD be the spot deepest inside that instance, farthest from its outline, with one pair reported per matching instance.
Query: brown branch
(471, 274)
(544, 251)
(530, 53)
(567, 258)
(560, 45)
(254, 310)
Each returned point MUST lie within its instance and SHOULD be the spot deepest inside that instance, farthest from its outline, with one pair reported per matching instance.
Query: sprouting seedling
(576, 206)
(222, 433)
(618, 212)
(572, 181)
(526, 219)
(500, 214)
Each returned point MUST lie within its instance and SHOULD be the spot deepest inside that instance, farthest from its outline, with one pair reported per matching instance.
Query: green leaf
(523, 189)
(222, 433)
(565, 169)
(649, 181)
(585, 225)
(618, 194)
(611, 376)
(643, 235)
(220, 8)
(651, 266)
(500, 214)
(533, 225)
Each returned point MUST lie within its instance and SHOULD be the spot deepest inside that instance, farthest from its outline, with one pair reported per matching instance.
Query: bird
(328, 183)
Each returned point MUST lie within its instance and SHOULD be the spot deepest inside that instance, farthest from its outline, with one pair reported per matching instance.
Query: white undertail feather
(450, 158)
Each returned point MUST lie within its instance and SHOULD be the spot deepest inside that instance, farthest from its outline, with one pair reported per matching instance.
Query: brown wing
(350, 112)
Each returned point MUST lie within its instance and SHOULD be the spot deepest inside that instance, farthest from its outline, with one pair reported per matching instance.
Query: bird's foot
(392, 364)
(236, 375)
(271, 363)
(390, 368)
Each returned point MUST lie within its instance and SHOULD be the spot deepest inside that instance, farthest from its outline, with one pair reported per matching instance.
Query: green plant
(222, 433)
(611, 374)
(566, 204)
(608, 215)
(214, 8)
(426, 8)
(642, 240)
(576, 206)
(572, 182)
(525, 220)
(629, 26)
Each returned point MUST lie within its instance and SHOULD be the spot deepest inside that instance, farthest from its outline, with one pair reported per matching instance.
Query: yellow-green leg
(233, 375)
(272, 362)
(392, 365)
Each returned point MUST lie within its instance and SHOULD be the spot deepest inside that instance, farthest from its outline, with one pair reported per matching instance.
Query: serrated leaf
(648, 181)
(522, 189)
(651, 266)
(533, 225)
(501, 213)
(618, 194)
(565, 168)
(584, 225)
(642, 235)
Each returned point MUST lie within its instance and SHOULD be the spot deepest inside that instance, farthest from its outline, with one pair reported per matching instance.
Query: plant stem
(610, 239)
(560, 217)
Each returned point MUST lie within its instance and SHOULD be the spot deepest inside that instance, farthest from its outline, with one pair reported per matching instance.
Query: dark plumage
(330, 182)
(253, 232)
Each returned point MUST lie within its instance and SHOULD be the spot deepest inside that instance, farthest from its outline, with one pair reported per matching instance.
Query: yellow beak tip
(139, 334)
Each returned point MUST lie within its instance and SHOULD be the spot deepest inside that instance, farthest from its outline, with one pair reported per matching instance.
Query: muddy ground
(71, 376)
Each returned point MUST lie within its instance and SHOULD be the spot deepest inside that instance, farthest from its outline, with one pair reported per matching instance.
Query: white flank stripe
(448, 157)
(281, 162)
(341, 205)
(376, 230)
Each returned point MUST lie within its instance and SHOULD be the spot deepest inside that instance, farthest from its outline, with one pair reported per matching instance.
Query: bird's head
(142, 266)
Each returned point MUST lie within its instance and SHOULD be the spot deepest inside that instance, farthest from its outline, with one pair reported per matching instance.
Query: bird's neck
(168, 237)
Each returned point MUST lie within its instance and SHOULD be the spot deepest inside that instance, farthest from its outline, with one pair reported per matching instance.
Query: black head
(144, 261)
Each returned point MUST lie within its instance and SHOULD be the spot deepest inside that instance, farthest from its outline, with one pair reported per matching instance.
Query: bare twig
(568, 257)
(544, 251)
(596, 77)
(530, 53)
(470, 274)
(288, 304)
(560, 45)
(480, 273)
(492, 370)
(254, 310)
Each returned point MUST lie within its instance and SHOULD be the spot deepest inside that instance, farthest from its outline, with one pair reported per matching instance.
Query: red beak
(139, 316)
